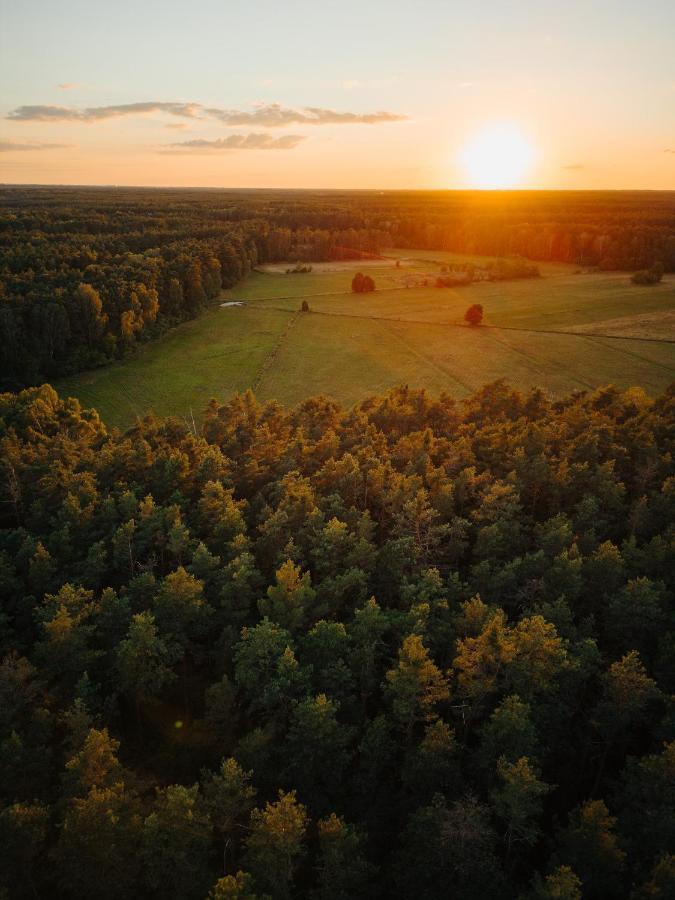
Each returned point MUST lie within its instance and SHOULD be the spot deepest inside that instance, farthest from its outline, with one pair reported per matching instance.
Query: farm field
(555, 332)
(214, 355)
(563, 300)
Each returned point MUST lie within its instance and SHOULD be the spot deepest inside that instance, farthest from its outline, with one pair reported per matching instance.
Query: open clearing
(654, 326)
(564, 331)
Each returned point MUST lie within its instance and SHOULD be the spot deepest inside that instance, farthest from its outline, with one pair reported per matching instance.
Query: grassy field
(351, 345)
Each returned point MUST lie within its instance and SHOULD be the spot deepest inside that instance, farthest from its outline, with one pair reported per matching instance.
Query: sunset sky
(339, 95)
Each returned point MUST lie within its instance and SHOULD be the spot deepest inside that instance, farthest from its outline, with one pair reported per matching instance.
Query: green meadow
(565, 331)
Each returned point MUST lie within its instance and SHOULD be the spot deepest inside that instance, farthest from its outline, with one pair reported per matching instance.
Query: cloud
(12, 146)
(274, 115)
(99, 113)
(574, 166)
(68, 85)
(176, 126)
(235, 142)
(669, 150)
(267, 115)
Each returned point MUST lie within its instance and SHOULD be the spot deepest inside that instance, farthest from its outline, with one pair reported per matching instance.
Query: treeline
(86, 273)
(612, 230)
(418, 648)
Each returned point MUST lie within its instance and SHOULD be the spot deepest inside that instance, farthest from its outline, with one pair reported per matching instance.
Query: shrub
(648, 276)
(362, 284)
(474, 314)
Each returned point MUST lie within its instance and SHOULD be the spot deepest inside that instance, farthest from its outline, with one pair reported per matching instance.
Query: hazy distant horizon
(334, 190)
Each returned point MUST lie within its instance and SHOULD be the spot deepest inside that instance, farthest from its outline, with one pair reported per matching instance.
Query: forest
(415, 648)
(87, 274)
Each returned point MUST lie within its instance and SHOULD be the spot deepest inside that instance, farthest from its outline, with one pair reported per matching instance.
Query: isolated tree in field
(305, 306)
(362, 284)
(474, 314)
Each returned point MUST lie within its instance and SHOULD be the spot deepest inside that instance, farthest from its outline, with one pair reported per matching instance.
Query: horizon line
(381, 190)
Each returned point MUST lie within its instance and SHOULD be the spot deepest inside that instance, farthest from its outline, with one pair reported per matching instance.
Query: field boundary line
(274, 352)
(577, 334)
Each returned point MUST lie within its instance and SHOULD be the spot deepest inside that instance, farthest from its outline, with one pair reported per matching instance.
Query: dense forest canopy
(418, 648)
(87, 273)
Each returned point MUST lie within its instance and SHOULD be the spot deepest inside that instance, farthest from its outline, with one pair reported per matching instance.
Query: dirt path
(270, 359)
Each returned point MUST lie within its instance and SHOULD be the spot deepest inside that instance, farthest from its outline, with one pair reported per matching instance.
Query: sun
(498, 156)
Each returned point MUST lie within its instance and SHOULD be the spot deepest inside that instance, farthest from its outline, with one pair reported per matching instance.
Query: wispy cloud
(234, 142)
(669, 150)
(573, 166)
(274, 115)
(67, 85)
(12, 146)
(267, 115)
(99, 113)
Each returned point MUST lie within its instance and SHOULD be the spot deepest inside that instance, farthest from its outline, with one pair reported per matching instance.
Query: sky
(367, 94)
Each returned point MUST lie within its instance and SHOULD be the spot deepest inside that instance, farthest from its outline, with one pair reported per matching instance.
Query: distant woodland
(88, 273)
(418, 648)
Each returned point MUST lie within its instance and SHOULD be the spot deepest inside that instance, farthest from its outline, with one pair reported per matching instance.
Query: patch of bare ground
(656, 326)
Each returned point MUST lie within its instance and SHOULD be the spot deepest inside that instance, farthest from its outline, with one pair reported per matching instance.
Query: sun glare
(499, 156)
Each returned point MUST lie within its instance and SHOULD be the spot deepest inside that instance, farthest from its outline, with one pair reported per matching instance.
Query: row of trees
(415, 648)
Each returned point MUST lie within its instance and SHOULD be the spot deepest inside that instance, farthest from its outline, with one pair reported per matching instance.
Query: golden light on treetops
(497, 156)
